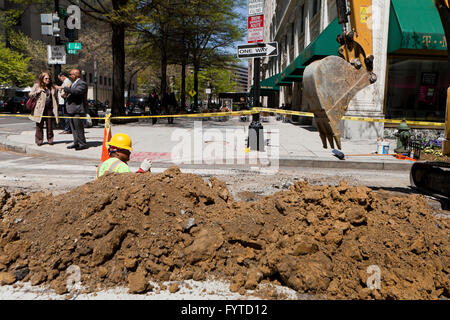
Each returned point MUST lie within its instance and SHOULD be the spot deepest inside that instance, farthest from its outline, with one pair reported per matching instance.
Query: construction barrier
(106, 137)
(309, 114)
(244, 112)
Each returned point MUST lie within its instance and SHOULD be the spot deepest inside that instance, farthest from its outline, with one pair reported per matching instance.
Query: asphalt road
(10, 125)
(30, 172)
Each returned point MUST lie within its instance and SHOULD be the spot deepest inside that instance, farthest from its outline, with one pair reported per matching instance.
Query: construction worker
(119, 148)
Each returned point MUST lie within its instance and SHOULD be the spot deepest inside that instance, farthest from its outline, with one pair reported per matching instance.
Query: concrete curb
(346, 164)
(306, 162)
(27, 149)
(16, 147)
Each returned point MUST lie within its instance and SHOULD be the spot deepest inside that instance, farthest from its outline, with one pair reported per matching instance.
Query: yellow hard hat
(121, 141)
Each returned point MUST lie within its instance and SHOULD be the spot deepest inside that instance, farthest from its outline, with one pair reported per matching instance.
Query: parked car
(136, 106)
(95, 104)
(93, 108)
(2, 104)
(17, 104)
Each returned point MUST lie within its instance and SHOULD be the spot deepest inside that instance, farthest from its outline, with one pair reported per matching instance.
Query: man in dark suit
(77, 106)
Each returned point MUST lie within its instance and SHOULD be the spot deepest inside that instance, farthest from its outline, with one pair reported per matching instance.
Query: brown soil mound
(128, 229)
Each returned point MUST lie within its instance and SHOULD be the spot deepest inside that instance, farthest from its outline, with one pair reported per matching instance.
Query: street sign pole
(256, 86)
(256, 130)
(255, 34)
(57, 67)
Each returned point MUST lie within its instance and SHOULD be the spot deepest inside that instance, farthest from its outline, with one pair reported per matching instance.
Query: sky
(243, 12)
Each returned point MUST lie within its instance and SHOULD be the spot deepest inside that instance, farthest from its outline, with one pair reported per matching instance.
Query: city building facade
(97, 76)
(410, 53)
(239, 75)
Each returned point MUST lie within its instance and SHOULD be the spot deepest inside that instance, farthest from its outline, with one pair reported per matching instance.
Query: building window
(316, 7)
(101, 80)
(90, 77)
(292, 33)
(417, 89)
(302, 19)
(109, 82)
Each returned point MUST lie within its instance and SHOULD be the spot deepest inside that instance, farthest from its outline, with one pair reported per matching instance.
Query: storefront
(418, 70)
(411, 64)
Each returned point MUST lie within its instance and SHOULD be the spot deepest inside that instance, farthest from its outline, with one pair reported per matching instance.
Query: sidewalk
(200, 141)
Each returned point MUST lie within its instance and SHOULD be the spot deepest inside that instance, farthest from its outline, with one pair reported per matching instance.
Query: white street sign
(56, 54)
(255, 31)
(258, 50)
(255, 7)
(74, 20)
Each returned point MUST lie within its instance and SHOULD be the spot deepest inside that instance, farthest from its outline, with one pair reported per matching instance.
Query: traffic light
(55, 29)
(71, 34)
(50, 24)
(71, 20)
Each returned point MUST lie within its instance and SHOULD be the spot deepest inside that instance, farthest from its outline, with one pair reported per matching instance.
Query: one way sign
(256, 50)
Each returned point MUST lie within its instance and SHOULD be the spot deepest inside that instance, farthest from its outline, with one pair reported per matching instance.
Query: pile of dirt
(127, 229)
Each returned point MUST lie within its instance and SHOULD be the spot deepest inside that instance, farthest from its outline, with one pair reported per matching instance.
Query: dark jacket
(76, 101)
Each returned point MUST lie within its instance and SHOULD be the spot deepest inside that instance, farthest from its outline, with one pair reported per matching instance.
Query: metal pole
(256, 86)
(255, 132)
(95, 76)
(57, 67)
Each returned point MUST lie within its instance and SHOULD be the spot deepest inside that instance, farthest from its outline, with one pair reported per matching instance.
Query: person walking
(77, 106)
(154, 104)
(64, 78)
(46, 105)
(171, 104)
(119, 148)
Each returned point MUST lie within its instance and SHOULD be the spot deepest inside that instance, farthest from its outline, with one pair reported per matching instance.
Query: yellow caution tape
(309, 114)
(280, 111)
(192, 115)
(240, 113)
(418, 123)
(60, 117)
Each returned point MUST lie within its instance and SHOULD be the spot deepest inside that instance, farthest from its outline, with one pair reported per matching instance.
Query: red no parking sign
(255, 31)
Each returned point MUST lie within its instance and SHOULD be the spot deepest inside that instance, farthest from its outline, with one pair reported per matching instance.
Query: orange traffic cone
(106, 138)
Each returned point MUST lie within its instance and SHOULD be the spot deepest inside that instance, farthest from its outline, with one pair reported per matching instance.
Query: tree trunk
(118, 52)
(130, 80)
(164, 79)
(183, 83)
(196, 70)
(164, 67)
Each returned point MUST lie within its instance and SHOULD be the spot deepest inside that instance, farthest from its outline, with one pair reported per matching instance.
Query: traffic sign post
(255, 7)
(73, 47)
(50, 26)
(56, 55)
(255, 32)
(257, 50)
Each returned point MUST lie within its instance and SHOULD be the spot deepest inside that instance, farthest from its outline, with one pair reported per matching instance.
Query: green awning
(280, 82)
(296, 68)
(270, 83)
(415, 25)
(286, 77)
(324, 45)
